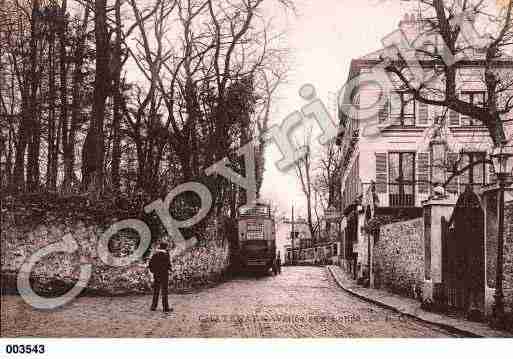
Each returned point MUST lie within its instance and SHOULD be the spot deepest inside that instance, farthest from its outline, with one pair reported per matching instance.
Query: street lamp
(502, 158)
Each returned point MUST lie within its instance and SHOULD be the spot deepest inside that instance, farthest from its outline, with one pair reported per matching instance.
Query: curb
(447, 327)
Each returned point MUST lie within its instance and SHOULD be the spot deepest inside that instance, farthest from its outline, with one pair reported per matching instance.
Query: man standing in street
(160, 266)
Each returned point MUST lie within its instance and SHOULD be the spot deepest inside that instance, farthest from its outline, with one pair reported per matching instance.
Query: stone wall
(508, 259)
(58, 272)
(491, 239)
(398, 257)
(491, 252)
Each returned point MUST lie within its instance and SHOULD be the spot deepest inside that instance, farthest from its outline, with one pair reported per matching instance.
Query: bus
(256, 238)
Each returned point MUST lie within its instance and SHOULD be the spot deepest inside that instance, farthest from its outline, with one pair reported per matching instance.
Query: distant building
(302, 248)
(300, 237)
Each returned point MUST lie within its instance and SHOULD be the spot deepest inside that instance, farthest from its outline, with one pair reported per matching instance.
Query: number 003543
(24, 349)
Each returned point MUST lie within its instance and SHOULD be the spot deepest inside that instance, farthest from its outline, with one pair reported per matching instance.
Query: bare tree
(442, 19)
(118, 97)
(304, 172)
(328, 177)
(210, 70)
(93, 153)
(216, 76)
(26, 47)
(144, 115)
(69, 128)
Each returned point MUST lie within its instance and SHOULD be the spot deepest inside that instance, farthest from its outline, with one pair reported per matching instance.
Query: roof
(412, 30)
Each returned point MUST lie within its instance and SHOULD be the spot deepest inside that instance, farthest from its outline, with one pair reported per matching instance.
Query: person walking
(160, 265)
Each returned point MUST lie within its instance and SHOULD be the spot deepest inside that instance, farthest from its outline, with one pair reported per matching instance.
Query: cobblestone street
(301, 302)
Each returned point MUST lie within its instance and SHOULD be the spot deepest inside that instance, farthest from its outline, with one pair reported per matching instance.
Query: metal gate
(463, 261)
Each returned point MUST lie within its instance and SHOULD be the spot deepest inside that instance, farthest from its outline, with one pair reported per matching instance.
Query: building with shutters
(395, 160)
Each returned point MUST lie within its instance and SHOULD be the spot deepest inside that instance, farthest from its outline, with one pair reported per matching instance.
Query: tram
(256, 238)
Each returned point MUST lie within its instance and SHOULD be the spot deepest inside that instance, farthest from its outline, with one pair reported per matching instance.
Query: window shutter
(466, 120)
(464, 177)
(423, 172)
(452, 159)
(492, 177)
(396, 106)
(383, 112)
(381, 173)
(423, 114)
(454, 118)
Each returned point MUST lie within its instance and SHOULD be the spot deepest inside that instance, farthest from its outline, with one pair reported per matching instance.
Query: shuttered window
(476, 98)
(474, 175)
(383, 111)
(452, 160)
(381, 173)
(423, 114)
(423, 171)
(454, 118)
(395, 108)
(464, 177)
(402, 109)
(401, 174)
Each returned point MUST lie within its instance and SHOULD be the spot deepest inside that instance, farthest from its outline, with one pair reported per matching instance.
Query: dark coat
(160, 263)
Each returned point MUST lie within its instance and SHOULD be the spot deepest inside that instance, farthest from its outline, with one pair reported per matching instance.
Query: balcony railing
(404, 194)
(409, 194)
(401, 200)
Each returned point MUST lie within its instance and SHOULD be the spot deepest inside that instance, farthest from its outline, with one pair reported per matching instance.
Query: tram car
(256, 238)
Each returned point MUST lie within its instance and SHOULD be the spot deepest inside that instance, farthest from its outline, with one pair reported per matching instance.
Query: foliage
(58, 272)
(75, 121)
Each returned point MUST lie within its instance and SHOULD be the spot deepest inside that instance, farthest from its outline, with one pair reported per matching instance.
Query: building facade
(399, 158)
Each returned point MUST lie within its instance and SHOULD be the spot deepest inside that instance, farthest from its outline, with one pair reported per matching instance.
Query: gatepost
(434, 209)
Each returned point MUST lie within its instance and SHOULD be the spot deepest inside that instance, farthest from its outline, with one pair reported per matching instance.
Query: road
(301, 302)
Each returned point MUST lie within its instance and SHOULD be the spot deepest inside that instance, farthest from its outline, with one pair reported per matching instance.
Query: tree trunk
(117, 115)
(33, 172)
(94, 148)
(69, 147)
(63, 81)
(141, 168)
(21, 147)
(33, 118)
(51, 171)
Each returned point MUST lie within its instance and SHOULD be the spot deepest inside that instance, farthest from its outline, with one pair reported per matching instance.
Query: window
(475, 175)
(258, 210)
(401, 174)
(402, 109)
(475, 98)
(427, 49)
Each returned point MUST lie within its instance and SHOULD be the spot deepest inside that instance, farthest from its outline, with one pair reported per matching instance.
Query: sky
(323, 37)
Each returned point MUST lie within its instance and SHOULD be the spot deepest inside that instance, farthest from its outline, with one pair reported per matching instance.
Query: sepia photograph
(255, 169)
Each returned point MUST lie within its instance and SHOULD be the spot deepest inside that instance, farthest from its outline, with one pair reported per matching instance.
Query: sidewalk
(411, 307)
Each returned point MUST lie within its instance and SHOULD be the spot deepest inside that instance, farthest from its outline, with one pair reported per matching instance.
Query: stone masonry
(398, 257)
(508, 257)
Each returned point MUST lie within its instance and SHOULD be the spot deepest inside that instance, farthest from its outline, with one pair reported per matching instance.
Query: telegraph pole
(292, 235)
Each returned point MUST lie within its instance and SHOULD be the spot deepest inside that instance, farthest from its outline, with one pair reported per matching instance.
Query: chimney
(408, 20)
(410, 26)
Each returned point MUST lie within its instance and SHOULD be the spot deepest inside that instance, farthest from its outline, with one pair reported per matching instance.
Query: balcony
(401, 200)
(398, 195)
